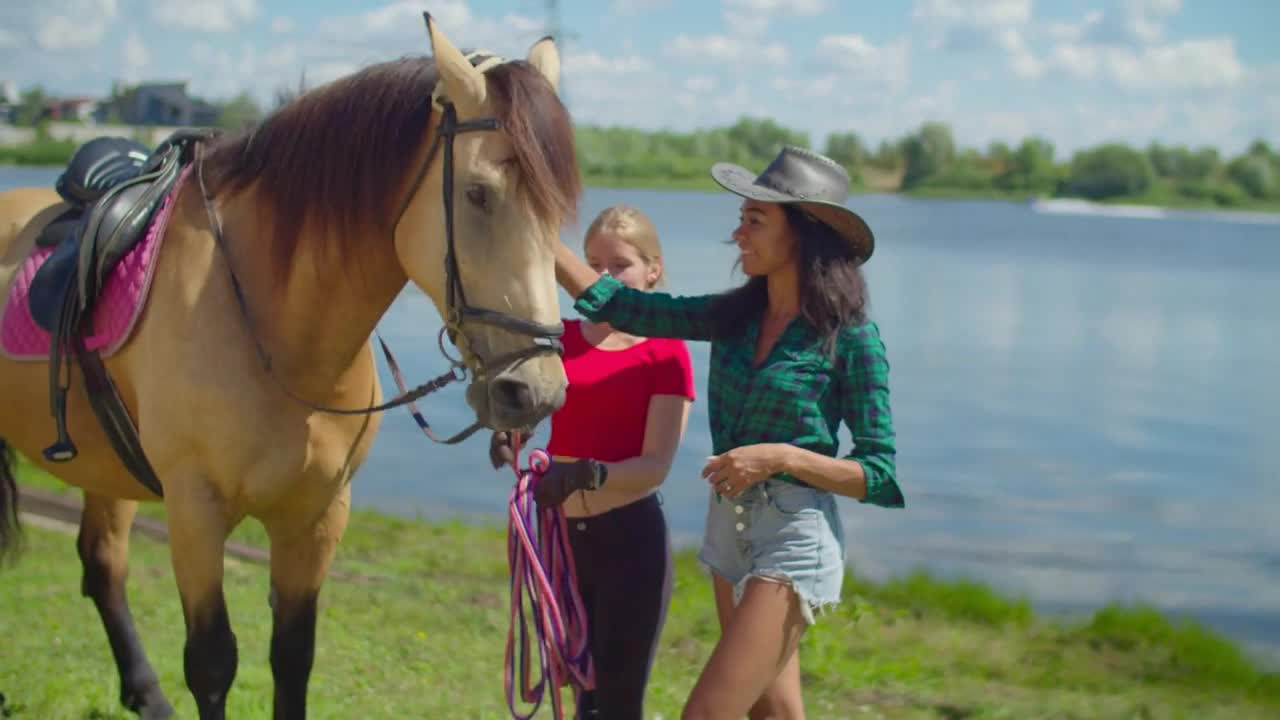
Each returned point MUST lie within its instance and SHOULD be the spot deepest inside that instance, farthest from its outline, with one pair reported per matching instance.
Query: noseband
(458, 312)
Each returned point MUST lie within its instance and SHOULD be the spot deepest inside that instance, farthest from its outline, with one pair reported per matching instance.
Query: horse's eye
(478, 196)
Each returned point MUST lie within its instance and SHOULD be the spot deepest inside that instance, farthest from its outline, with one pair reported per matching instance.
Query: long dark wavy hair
(833, 293)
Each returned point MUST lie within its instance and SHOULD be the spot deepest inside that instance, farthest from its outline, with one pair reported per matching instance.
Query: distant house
(72, 109)
(163, 104)
(9, 99)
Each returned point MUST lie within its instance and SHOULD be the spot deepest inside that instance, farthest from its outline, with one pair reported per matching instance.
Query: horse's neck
(316, 326)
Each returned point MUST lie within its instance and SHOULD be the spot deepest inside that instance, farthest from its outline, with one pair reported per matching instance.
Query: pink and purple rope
(544, 584)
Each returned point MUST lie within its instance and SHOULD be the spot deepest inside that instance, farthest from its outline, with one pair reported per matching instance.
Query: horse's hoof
(158, 713)
(150, 705)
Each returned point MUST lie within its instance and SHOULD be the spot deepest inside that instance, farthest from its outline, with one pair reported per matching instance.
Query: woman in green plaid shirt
(792, 355)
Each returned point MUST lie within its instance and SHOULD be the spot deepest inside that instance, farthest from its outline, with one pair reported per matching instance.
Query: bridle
(458, 312)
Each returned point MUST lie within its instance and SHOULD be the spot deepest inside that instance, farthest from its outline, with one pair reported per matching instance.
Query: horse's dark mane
(338, 157)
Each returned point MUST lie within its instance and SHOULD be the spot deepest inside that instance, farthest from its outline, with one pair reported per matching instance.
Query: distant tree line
(928, 160)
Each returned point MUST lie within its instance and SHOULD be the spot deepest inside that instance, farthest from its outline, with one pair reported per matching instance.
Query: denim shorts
(782, 532)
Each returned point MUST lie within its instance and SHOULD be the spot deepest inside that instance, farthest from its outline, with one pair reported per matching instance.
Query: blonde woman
(612, 444)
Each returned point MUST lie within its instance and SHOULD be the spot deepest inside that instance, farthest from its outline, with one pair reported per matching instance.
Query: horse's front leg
(103, 545)
(301, 550)
(198, 528)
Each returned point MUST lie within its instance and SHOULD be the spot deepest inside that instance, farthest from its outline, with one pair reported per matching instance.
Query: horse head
(480, 218)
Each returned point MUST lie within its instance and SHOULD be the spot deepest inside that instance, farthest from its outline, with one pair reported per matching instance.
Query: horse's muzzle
(512, 400)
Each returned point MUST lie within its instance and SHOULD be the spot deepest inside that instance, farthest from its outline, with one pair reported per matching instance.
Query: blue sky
(1075, 72)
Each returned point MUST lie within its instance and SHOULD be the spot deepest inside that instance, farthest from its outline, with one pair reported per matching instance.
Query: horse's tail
(10, 529)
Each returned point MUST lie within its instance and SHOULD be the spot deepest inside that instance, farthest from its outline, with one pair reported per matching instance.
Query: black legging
(623, 561)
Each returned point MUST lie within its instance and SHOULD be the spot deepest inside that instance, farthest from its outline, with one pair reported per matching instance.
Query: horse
(249, 370)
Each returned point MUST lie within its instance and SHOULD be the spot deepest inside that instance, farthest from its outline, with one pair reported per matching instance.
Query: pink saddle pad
(123, 295)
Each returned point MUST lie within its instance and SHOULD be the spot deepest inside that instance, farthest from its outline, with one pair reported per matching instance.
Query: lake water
(1087, 407)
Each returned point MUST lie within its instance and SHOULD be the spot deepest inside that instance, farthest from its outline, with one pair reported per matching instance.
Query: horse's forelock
(541, 133)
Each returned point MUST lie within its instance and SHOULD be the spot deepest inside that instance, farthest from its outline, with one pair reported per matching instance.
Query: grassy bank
(45, 151)
(425, 639)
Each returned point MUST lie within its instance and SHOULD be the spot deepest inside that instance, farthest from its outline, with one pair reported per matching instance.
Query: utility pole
(556, 30)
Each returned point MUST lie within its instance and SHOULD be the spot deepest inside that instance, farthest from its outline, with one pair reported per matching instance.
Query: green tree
(927, 153)
(1259, 148)
(762, 138)
(1255, 173)
(1030, 168)
(999, 155)
(31, 107)
(238, 112)
(1109, 170)
(888, 155)
(847, 149)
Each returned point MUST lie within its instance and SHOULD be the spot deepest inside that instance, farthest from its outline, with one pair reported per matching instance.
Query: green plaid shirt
(798, 396)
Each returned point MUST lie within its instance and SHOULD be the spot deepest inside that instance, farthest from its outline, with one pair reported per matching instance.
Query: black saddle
(114, 187)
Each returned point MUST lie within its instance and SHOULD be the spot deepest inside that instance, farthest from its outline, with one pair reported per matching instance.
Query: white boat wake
(1076, 206)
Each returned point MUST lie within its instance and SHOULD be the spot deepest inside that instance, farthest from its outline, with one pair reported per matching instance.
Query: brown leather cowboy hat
(803, 177)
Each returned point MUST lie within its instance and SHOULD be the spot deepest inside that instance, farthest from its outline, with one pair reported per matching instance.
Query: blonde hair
(635, 229)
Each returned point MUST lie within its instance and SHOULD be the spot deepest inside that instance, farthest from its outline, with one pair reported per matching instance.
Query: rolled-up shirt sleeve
(864, 407)
(650, 314)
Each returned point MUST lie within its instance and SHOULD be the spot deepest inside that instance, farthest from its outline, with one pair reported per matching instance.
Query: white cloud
(73, 24)
(862, 62)
(1187, 65)
(968, 24)
(220, 72)
(282, 25)
(1144, 19)
(1199, 64)
(204, 15)
(751, 18)
(281, 56)
(727, 49)
(8, 39)
(325, 72)
(593, 63)
(1128, 22)
(1081, 61)
(1073, 32)
(700, 83)
(134, 57)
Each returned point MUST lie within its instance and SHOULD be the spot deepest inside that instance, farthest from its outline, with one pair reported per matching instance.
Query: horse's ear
(464, 85)
(546, 58)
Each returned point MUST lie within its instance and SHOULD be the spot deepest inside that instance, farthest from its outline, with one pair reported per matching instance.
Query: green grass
(44, 151)
(426, 640)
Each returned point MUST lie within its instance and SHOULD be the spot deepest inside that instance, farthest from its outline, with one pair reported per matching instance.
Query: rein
(546, 338)
(541, 566)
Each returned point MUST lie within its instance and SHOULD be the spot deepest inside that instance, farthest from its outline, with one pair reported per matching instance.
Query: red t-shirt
(607, 402)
